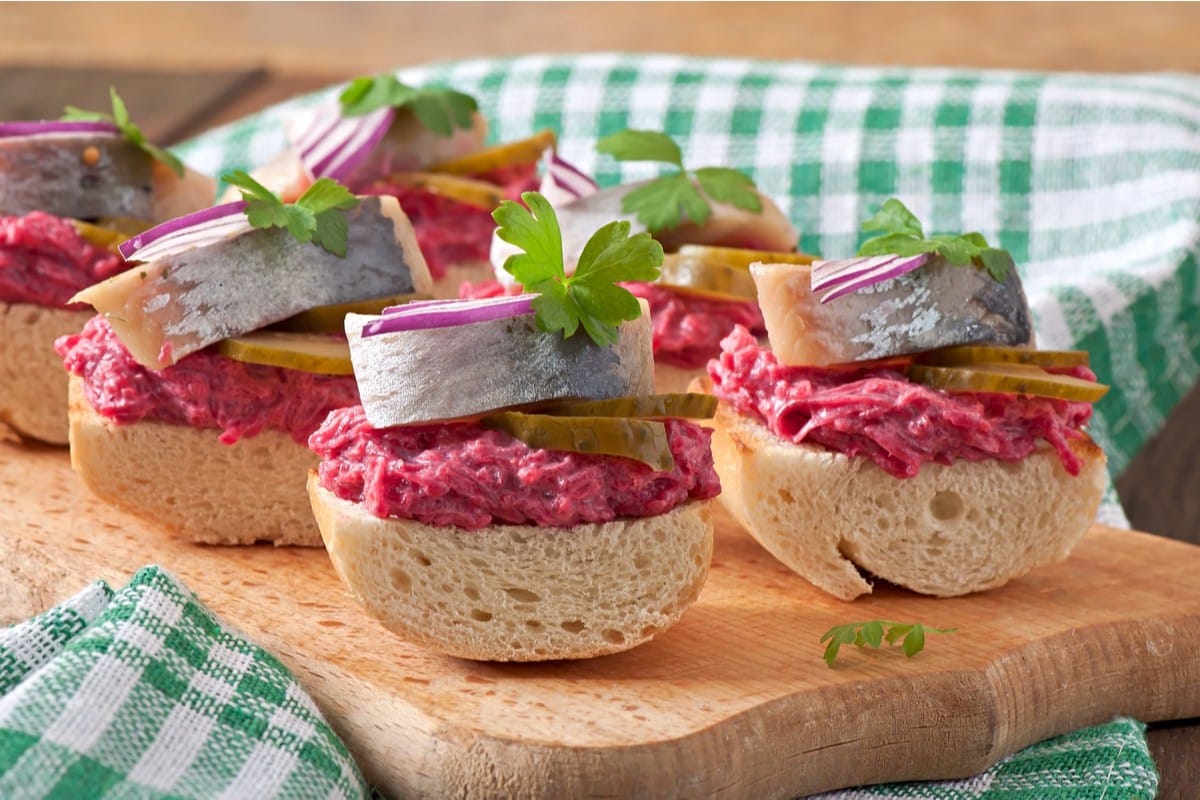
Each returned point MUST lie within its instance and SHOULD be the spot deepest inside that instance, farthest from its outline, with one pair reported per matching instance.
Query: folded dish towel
(143, 693)
(1092, 181)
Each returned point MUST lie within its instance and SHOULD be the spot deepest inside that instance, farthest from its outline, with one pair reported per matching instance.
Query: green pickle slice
(108, 232)
(480, 194)
(686, 405)
(306, 352)
(331, 319)
(640, 439)
(1007, 379)
(522, 151)
(720, 272)
(999, 354)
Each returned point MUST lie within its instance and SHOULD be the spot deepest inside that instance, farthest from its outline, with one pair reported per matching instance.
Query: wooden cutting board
(734, 701)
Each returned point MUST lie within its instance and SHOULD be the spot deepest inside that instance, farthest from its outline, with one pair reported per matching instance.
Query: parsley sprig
(873, 634)
(317, 216)
(666, 201)
(590, 297)
(120, 118)
(438, 108)
(901, 234)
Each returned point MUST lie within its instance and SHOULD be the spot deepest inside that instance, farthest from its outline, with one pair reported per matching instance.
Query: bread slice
(519, 592)
(33, 383)
(948, 531)
(184, 479)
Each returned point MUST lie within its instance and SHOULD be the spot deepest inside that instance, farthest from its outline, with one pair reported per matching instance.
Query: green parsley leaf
(901, 234)
(439, 109)
(874, 632)
(131, 132)
(665, 202)
(631, 145)
(590, 298)
(317, 216)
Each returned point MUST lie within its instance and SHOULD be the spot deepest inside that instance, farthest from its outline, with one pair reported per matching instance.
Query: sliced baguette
(948, 531)
(185, 480)
(518, 592)
(33, 383)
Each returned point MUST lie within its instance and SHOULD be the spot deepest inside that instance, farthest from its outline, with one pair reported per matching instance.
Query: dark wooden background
(183, 68)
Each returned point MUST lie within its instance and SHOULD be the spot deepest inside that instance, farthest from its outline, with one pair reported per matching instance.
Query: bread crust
(33, 383)
(949, 531)
(519, 592)
(185, 480)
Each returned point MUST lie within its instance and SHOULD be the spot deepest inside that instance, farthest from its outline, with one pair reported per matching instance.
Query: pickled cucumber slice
(480, 194)
(331, 319)
(720, 272)
(686, 405)
(639, 439)
(1007, 379)
(306, 352)
(522, 151)
(997, 354)
(108, 232)
(741, 258)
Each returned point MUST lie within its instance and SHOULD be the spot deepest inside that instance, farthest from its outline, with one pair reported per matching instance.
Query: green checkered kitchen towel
(1093, 181)
(143, 694)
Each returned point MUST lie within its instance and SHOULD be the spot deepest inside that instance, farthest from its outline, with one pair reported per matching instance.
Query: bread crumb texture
(950, 530)
(185, 480)
(520, 592)
(33, 383)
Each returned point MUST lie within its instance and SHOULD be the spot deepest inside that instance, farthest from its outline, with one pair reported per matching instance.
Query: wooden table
(188, 67)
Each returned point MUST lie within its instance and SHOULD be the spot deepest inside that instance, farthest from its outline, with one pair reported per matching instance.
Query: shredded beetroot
(449, 232)
(878, 413)
(465, 475)
(44, 260)
(688, 328)
(204, 390)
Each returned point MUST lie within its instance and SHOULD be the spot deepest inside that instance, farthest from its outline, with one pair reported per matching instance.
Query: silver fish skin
(165, 310)
(444, 373)
(938, 305)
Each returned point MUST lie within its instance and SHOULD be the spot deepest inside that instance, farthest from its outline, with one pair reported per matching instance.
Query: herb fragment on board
(318, 215)
(590, 297)
(874, 632)
(120, 118)
(668, 200)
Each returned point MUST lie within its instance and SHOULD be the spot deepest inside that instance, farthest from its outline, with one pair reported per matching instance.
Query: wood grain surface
(734, 701)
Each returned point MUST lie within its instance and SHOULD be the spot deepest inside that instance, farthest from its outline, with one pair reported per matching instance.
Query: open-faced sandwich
(423, 146)
(902, 422)
(712, 222)
(70, 190)
(184, 410)
(509, 488)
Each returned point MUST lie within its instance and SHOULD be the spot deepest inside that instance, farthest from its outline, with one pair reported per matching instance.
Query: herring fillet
(939, 305)
(445, 373)
(167, 309)
(52, 173)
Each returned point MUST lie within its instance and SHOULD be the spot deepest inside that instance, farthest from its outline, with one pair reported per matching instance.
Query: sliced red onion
(187, 232)
(563, 181)
(331, 145)
(423, 315)
(843, 276)
(48, 126)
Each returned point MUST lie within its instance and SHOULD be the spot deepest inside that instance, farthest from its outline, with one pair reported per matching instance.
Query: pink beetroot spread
(688, 328)
(878, 413)
(465, 475)
(204, 390)
(449, 232)
(44, 260)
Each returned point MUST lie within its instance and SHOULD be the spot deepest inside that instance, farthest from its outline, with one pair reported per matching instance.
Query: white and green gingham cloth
(1092, 181)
